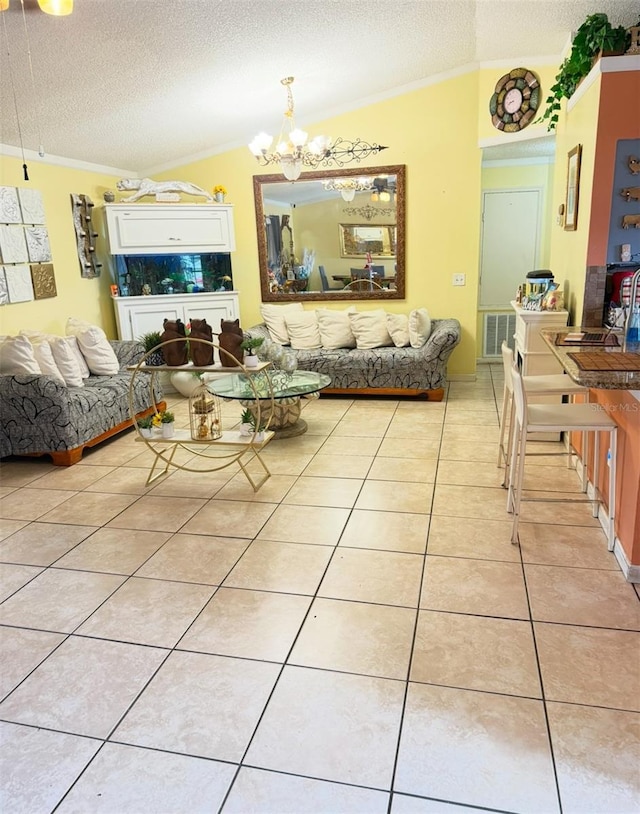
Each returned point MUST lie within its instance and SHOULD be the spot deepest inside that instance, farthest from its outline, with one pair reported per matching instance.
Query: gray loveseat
(42, 416)
(382, 371)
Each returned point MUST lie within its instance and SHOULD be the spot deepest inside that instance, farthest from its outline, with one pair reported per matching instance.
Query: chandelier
(293, 152)
(348, 187)
(59, 8)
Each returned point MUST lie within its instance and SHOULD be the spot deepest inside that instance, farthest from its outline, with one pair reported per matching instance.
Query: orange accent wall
(624, 409)
(618, 118)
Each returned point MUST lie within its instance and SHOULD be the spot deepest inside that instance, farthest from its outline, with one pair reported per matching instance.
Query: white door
(510, 241)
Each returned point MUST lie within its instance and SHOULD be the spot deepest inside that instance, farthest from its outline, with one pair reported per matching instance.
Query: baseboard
(631, 572)
(461, 377)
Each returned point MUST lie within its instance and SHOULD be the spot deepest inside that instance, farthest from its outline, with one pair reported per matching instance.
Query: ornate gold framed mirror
(332, 234)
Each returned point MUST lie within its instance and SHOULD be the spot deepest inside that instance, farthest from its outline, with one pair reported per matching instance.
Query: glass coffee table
(280, 406)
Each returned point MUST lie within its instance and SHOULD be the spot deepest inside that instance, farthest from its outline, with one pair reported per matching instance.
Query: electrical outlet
(459, 279)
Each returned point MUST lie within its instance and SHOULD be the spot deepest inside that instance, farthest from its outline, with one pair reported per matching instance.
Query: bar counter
(596, 379)
(618, 394)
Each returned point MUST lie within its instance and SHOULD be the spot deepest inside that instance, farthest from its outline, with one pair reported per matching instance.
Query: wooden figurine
(201, 354)
(230, 338)
(631, 193)
(175, 354)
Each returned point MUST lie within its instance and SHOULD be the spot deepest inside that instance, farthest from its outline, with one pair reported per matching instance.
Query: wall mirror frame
(392, 285)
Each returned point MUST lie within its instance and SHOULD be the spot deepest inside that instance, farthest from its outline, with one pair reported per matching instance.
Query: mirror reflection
(332, 234)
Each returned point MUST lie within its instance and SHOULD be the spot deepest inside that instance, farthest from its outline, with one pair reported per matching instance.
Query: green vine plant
(595, 35)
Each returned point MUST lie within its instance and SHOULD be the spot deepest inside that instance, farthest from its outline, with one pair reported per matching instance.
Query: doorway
(510, 243)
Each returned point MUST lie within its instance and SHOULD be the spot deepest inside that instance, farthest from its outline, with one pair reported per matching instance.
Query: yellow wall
(443, 191)
(77, 296)
(569, 249)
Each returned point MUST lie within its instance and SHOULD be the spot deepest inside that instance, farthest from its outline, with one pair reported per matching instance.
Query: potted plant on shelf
(150, 341)
(145, 425)
(167, 420)
(219, 191)
(249, 346)
(595, 36)
(246, 422)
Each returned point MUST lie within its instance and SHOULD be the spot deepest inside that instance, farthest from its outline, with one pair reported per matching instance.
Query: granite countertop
(597, 379)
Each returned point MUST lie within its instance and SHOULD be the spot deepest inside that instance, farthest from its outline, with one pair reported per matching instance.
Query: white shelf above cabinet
(170, 228)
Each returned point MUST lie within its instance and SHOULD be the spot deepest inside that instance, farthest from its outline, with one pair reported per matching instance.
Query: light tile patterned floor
(358, 636)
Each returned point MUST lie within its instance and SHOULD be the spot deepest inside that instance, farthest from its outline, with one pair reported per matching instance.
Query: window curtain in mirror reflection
(274, 241)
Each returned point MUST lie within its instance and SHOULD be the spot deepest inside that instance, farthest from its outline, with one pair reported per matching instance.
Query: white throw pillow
(303, 330)
(398, 327)
(335, 328)
(66, 354)
(419, 327)
(274, 317)
(66, 360)
(95, 347)
(44, 357)
(17, 356)
(370, 329)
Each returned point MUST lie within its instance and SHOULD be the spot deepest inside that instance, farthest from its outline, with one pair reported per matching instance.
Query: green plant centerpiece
(150, 341)
(146, 422)
(249, 346)
(167, 417)
(596, 35)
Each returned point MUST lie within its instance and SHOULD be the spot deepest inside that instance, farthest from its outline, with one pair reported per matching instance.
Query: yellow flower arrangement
(219, 189)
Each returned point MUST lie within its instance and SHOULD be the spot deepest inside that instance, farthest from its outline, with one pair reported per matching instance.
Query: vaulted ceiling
(143, 84)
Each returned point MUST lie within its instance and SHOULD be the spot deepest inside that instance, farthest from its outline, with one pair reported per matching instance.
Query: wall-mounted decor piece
(82, 206)
(573, 189)
(369, 212)
(32, 205)
(44, 281)
(634, 165)
(9, 207)
(38, 244)
(515, 100)
(19, 285)
(13, 247)
(4, 292)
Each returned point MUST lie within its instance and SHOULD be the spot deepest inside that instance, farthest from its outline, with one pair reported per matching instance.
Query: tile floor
(358, 636)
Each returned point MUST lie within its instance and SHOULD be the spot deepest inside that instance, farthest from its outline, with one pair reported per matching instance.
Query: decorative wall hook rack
(85, 235)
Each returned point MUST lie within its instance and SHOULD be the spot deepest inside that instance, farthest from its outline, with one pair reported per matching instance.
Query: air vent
(498, 328)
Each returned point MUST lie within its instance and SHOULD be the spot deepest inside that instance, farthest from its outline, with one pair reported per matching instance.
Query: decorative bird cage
(205, 418)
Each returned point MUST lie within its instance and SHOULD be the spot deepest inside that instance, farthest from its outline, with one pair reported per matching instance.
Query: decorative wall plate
(515, 100)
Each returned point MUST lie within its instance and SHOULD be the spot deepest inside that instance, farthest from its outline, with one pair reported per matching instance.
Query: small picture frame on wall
(573, 189)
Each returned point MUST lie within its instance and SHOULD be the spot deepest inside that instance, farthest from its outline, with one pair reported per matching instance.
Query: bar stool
(558, 384)
(558, 418)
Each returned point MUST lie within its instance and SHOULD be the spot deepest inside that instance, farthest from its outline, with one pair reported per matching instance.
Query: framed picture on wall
(573, 189)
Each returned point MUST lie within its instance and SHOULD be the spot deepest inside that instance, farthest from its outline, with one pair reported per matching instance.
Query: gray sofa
(41, 416)
(381, 371)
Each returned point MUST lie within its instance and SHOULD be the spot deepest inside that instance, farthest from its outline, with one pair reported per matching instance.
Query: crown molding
(60, 161)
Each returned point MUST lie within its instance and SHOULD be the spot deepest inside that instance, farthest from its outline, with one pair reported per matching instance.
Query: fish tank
(173, 273)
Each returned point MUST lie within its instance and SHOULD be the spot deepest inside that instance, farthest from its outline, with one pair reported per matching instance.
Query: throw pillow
(67, 361)
(44, 357)
(17, 356)
(95, 347)
(335, 328)
(74, 347)
(274, 317)
(419, 327)
(398, 327)
(370, 329)
(303, 330)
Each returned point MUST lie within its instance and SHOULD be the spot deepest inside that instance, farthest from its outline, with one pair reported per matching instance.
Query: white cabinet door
(136, 316)
(170, 229)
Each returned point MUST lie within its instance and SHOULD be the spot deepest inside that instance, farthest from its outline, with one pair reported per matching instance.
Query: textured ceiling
(139, 84)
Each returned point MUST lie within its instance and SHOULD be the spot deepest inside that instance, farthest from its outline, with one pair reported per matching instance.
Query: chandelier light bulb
(385, 196)
(59, 8)
(348, 194)
(297, 137)
(261, 144)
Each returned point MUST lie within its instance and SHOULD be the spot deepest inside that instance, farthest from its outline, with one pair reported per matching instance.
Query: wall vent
(498, 328)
